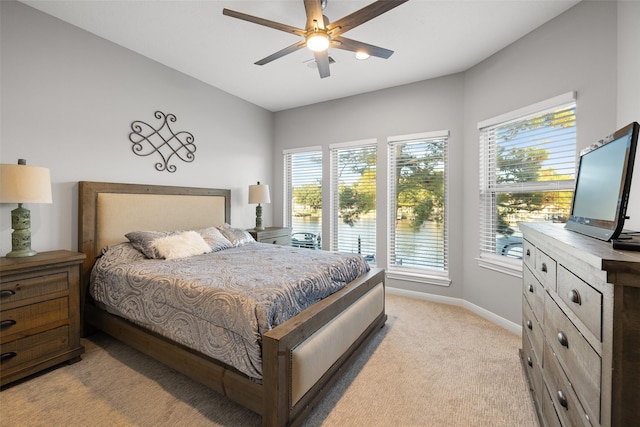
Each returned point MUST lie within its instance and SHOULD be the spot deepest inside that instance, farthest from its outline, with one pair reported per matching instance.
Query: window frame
(432, 276)
(493, 261)
(334, 183)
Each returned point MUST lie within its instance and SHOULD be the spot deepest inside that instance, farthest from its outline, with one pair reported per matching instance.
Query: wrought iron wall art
(148, 140)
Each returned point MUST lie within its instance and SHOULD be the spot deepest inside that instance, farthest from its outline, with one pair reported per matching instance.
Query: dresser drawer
(19, 320)
(549, 415)
(533, 368)
(546, 270)
(529, 254)
(580, 361)
(532, 330)
(567, 404)
(582, 299)
(13, 291)
(534, 293)
(29, 349)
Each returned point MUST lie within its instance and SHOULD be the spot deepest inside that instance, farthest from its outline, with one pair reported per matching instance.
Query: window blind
(527, 173)
(303, 190)
(417, 203)
(353, 198)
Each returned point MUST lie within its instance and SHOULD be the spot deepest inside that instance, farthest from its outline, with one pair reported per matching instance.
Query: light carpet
(430, 365)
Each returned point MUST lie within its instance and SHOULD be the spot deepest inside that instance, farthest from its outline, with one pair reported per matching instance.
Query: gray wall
(430, 105)
(68, 100)
(575, 51)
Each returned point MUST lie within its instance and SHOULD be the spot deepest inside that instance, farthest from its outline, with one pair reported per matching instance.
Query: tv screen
(603, 184)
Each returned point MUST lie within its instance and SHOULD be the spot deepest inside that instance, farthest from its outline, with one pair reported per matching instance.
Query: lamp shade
(259, 193)
(24, 184)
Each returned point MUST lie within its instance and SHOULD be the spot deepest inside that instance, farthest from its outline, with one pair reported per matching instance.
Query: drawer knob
(7, 323)
(529, 324)
(530, 288)
(528, 252)
(574, 297)
(562, 400)
(562, 339)
(7, 293)
(529, 361)
(544, 267)
(7, 356)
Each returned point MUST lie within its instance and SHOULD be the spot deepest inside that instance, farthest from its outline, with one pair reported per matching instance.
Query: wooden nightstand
(275, 235)
(39, 313)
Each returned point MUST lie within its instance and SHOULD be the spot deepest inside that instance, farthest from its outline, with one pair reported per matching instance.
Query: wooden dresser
(275, 235)
(39, 313)
(581, 328)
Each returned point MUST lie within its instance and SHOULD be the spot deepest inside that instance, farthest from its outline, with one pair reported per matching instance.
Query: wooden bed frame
(295, 377)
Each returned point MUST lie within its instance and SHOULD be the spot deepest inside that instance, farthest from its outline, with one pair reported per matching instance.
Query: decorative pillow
(143, 241)
(237, 236)
(180, 245)
(215, 239)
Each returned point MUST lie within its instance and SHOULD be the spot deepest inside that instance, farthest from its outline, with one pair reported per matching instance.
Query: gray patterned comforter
(222, 302)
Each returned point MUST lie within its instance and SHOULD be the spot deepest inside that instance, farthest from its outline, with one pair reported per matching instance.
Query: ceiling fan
(319, 34)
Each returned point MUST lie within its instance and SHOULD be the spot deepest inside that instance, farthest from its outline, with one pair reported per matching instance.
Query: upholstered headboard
(107, 211)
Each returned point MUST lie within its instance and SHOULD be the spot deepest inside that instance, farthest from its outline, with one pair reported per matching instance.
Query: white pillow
(181, 245)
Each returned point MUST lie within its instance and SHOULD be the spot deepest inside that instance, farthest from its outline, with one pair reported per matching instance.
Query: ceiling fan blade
(363, 15)
(279, 54)
(322, 60)
(265, 22)
(356, 46)
(313, 9)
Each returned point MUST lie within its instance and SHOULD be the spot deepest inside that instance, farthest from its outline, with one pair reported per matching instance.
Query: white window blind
(303, 194)
(417, 203)
(527, 173)
(353, 198)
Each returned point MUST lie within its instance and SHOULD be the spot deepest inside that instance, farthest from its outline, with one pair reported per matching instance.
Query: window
(353, 198)
(303, 196)
(527, 174)
(417, 203)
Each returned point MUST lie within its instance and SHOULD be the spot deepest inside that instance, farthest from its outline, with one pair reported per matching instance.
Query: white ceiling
(430, 38)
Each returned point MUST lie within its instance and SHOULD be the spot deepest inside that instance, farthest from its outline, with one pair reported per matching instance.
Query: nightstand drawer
(280, 240)
(19, 320)
(32, 287)
(30, 348)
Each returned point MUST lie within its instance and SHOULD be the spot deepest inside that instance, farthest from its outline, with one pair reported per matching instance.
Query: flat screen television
(603, 183)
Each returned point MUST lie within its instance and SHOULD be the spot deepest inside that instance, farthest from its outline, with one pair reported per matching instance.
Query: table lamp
(259, 193)
(23, 184)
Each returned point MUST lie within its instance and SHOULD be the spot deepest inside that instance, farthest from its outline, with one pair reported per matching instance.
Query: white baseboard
(482, 312)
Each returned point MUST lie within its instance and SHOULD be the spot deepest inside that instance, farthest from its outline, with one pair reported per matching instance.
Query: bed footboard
(302, 356)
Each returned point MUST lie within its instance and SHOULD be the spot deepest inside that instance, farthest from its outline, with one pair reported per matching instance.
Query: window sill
(512, 267)
(428, 279)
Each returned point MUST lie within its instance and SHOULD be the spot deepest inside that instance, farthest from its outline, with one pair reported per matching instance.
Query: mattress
(220, 303)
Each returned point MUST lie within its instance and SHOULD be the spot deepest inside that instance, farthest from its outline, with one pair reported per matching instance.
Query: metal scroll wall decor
(169, 145)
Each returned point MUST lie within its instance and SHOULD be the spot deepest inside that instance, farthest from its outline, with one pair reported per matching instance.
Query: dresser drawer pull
(562, 339)
(529, 324)
(7, 323)
(7, 356)
(544, 267)
(529, 361)
(574, 297)
(528, 252)
(7, 293)
(562, 400)
(530, 288)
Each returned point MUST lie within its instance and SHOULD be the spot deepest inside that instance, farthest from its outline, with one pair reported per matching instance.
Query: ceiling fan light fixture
(362, 55)
(318, 42)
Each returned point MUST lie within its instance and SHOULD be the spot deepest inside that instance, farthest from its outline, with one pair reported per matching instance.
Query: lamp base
(259, 226)
(21, 236)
